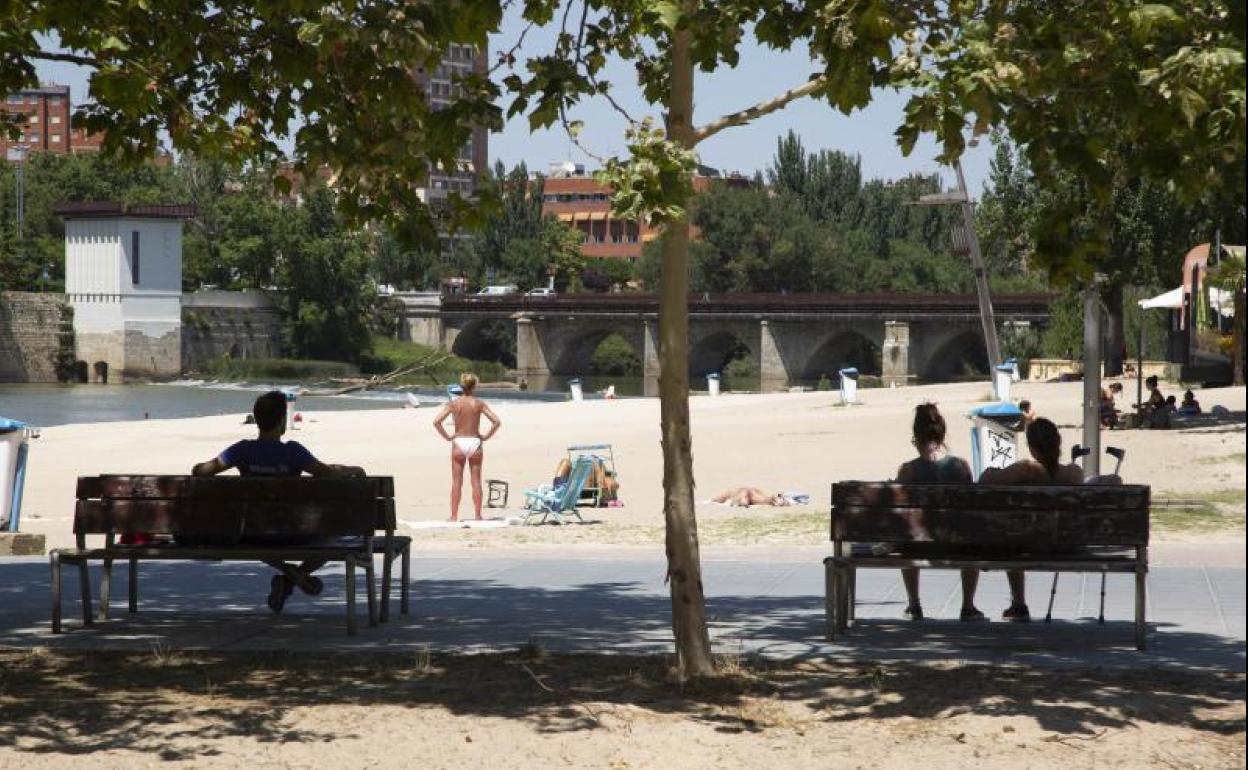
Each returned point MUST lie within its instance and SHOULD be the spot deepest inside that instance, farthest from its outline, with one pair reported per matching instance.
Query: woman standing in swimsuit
(466, 411)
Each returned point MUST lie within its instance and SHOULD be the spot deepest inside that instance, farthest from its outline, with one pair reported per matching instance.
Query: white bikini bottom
(467, 445)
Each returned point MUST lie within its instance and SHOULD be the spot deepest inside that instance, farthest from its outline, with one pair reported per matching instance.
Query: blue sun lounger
(557, 502)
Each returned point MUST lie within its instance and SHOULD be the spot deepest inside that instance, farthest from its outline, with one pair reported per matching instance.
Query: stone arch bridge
(792, 338)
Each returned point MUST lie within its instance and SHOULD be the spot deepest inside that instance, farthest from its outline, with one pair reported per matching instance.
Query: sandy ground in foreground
(528, 711)
(794, 441)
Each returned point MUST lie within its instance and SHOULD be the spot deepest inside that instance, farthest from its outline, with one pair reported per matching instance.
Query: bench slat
(998, 527)
(974, 496)
(234, 487)
(218, 518)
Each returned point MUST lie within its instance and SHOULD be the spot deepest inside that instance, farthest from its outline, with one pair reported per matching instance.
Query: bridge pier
(895, 363)
(530, 357)
(773, 375)
(649, 358)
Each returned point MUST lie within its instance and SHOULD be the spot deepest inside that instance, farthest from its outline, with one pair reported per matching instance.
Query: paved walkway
(492, 601)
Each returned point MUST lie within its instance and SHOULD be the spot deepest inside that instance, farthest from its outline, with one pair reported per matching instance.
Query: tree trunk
(684, 566)
(1117, 341)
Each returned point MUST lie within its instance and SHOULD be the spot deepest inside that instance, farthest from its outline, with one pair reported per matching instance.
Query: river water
(48, 405)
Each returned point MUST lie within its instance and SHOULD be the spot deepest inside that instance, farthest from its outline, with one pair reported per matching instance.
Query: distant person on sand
(934, 466)
(1190, 405)
(744, 497)
(268, 455)
(466, 443)
(1045, 444)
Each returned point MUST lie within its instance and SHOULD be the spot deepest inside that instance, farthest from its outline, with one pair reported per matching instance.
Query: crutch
(1076, 452)
(1116, 453)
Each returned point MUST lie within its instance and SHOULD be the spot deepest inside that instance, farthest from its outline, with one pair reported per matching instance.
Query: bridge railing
(768, 304)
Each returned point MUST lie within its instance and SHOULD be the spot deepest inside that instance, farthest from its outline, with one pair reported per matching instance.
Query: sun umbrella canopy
(1171, 300)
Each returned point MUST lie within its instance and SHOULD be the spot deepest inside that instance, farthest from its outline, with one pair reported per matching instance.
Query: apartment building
(43, 117)
(576, 198)
(440, 90)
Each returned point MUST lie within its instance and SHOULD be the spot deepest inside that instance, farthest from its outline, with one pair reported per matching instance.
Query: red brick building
(43, 118)
(577, 199)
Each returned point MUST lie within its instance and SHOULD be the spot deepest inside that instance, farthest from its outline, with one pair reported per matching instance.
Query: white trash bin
(712, 383)
(14, 444)
(574, 385)
(994, 436)
(1005, 375)
(849, 386)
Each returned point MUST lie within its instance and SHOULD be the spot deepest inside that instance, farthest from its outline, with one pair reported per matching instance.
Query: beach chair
(558, 502)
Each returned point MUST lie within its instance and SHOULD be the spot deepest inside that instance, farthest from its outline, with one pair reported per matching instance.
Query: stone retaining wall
(32, 332)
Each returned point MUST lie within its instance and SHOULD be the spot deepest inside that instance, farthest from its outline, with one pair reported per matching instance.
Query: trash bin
(1005, 375)
(849, 385)
(291, 397)
(994, 436)
(712, 383)
(574, 385)
(14, 443)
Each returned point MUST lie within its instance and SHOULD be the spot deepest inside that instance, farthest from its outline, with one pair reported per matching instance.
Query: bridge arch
(847, 347)
(574, 353)
(712, 351)
(487, 339)
(962, 356)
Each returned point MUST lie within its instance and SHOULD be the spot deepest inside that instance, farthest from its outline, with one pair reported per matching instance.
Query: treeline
(812, 224)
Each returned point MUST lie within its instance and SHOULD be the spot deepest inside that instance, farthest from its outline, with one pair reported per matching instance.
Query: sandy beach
(798, 441)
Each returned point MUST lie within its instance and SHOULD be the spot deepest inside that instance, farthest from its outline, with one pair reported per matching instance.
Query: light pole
(971, 245)
(16, 156)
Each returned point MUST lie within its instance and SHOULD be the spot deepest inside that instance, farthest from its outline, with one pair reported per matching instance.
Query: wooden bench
(1050, 528)
(341, 517)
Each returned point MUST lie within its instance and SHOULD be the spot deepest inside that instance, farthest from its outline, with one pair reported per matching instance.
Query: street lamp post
(986, 316)
(16, 156)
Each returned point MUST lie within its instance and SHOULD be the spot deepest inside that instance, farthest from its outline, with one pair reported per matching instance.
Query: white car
(540, 292)
(497, 291)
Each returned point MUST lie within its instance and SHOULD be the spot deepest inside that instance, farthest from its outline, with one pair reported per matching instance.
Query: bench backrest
(234, 505)
(990, 515)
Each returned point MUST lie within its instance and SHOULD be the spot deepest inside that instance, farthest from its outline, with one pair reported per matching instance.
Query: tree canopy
(333, 84)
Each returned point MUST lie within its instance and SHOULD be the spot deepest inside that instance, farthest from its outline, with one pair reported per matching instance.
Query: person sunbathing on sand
(466, 443)
(744, 497)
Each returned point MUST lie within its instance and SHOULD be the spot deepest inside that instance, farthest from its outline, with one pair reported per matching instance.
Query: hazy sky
(761, 74)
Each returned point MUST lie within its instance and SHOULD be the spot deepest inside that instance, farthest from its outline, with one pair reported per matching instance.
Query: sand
(528, 710)
(797, 441)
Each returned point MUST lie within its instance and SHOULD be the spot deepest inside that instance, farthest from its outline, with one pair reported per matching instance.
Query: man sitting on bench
(268, 455)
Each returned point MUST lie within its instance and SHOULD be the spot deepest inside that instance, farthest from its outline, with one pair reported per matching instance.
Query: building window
(134, 257)
(54, 138)
(55, 120)
(34, 118)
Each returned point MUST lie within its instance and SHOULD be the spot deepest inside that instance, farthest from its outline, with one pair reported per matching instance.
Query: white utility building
(123, 279)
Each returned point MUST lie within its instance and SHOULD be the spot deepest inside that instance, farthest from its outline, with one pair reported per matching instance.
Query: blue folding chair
(557, 502)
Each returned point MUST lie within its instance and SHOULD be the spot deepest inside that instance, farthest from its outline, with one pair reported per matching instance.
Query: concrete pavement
(497, 600)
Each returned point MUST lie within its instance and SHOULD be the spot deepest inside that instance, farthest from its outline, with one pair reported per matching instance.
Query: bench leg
(84, 586)
(106, 588)
(1101, 617)
(829, 601)
(133, 575)
(350, 564)
(853, 595)
(54, 559)
(370, 576)
(387, 569)
(405, 574)
(1141, 625)
(842, 600)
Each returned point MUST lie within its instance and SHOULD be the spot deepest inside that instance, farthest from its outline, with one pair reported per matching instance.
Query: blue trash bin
(849, 385)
